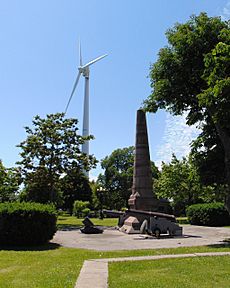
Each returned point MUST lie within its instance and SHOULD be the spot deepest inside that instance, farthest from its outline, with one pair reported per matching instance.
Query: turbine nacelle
(84, 70)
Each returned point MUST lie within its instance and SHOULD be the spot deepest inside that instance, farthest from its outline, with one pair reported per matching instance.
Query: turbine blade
(74, 87)
(93, 61)
(80, 56)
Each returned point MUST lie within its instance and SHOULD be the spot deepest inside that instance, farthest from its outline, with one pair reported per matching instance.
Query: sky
(39, 57)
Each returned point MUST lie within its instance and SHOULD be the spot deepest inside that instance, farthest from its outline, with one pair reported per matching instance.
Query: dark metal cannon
(145, 222)
(90, 228)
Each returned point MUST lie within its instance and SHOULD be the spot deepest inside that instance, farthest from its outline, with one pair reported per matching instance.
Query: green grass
(71, 222)
(60, 267)
(182, 220)
(52, 266)
(194, 272)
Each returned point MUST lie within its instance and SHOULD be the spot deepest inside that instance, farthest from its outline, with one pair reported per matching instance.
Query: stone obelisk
(142, 197)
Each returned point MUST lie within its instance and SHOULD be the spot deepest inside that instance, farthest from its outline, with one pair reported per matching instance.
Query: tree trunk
(225, 139)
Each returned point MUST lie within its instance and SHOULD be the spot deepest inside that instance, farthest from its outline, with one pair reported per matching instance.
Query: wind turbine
(84, 70)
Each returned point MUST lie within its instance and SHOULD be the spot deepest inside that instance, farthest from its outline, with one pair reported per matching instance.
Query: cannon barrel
(113, 213)
(151, 214)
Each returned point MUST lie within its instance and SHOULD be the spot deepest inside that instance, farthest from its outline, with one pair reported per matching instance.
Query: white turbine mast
(84, 70)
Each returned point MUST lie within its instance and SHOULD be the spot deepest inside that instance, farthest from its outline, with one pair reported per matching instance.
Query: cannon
(155, 226)
(89, 227)
(146, 222)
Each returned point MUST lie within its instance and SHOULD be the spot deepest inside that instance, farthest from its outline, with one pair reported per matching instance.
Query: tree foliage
(51, 149)
(116, 182)
(74, 186)
(117, 178)
(179, 182)
(81, 208)
(9, 183)
(192, 75)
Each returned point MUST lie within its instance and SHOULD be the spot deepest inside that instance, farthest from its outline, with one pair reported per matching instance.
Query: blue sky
(39, 60)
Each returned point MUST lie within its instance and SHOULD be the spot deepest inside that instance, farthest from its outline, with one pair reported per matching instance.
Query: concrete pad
(93, 274)
(112, 239)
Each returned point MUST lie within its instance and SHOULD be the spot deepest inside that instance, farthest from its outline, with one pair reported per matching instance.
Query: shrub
(85, 212)
(79, 208)
(211, 214)
(26, 223)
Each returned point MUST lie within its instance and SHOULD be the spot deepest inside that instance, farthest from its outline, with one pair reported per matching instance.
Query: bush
(26, 223)
(212, 214)
(85, 212)
(81, 208)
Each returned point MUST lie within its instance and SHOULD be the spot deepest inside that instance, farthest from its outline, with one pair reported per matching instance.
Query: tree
(208, 156)
(51, 149)
(9, 183)
(117, 179)
(116, 182)
(179, 182)
(192, 75)
(74, 186)
(41, 187)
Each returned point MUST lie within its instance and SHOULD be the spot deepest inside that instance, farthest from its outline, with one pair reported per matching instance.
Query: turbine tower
(84, 70)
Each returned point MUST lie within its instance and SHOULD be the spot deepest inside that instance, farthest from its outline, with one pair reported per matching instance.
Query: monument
(146, 213)
(142, 197)
(142, 202)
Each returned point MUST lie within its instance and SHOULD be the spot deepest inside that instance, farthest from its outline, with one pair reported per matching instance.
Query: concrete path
(94, 273)
(113, 239)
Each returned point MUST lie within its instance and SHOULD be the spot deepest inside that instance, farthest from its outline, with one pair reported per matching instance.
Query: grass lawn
(194, 272)
(60, 267)
(52, 266)
(72, 222)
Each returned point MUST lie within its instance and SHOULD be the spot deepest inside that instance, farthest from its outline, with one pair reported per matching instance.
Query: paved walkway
(94, 273)
(113, 239)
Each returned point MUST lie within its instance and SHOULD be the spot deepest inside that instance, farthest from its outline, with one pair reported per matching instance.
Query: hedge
(26, 223)
(211, 214)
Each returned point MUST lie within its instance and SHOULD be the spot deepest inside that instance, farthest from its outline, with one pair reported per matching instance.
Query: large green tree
(9, 183)
(192, 75)
(51, 149)
(116, 182)
(180, 182)
(74, 186)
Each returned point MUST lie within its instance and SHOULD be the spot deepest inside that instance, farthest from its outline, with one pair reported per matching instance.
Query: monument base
(143, 203)
(149, 204)
(130, 222)
(131, 226)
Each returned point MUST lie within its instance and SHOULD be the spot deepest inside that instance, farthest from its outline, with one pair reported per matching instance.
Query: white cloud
(177, 138)
(225, 14)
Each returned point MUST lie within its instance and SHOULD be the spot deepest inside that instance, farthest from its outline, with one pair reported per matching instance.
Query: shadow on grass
(45, 247)
(224, 244)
